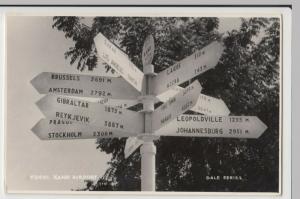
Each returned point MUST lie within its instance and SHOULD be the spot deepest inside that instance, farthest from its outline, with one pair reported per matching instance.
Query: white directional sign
(85, 112)
(181, 102)
(132, 143)
(118, 103)
(191, 66)
(205, 104)
(84, 86)
(214, 126)
(55, 129)
(119, 61)
(210, 106)
(148, 51)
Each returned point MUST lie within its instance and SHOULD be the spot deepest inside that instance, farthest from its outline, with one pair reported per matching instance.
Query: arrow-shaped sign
(205, 104)
(148, 51)
(92, 113)
(119, 61)
(84, 86)
(132, 143)
(181, 102)
(214, 126)
(191, 66)
(118, 103)
(210, 106)
(53, 129)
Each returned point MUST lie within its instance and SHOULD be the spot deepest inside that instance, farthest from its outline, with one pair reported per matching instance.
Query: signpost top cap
(148, 50)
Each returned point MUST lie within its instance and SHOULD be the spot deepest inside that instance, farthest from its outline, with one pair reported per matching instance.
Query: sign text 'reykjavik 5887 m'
(91, 113)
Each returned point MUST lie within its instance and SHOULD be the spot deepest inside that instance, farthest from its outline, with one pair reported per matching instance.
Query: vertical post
(148, 149)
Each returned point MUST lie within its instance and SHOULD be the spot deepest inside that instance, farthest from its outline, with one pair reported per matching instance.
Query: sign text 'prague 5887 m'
(56, 129)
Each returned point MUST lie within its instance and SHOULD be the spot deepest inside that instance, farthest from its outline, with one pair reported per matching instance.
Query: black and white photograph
(139, 103)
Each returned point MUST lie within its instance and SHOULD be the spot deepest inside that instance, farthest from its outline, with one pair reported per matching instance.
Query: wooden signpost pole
(148, 149)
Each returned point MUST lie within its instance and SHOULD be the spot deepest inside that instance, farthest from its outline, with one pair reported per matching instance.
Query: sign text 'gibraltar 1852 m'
(71, 114)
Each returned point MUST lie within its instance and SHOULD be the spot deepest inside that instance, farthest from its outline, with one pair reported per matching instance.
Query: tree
(246, 78)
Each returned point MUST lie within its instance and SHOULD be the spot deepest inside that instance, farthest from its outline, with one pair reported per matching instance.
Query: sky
(34, 47)
(32, 164)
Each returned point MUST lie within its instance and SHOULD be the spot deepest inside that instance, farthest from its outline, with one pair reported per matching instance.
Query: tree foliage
(246, 78)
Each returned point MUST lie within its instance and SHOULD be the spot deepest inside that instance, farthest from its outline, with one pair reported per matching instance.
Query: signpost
(70, 118)
(148, 149)
(84, 86)
(214, 126)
